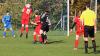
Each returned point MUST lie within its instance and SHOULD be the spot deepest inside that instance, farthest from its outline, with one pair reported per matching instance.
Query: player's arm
(33, 23)
(43, 15)
(10, 18)
(23, 9)
(73, 25)
(95, 27)
(49, 23)
(3, 19)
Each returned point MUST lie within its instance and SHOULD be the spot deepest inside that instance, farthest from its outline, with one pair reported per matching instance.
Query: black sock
(43, 36)
(26, 35)
(86, 46)
(94, 45)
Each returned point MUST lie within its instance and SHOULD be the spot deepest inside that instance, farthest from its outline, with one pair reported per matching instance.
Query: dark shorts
(89, 31)
(45, 27)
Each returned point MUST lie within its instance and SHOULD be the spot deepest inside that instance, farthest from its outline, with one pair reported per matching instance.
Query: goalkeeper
(7, 24)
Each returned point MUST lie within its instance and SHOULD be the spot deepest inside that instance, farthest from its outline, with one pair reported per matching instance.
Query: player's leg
(86, 44)
(40, 38)
(34, 37)
(22, 29)
(76, 43)
(42, 35)
(45, 37)
(4, 33)
(92, 38)
(86, 33)
(94, 44)
(26, 26)
(45, 32)
(13, 33)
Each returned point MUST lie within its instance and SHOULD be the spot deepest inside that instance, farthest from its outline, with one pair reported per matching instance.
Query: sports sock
(94, 45)
(12, 32)
(76, 43)
(26, 29)
(4, 34)
(86, 46)
(26, 35)
(34, 38)
(22, 29)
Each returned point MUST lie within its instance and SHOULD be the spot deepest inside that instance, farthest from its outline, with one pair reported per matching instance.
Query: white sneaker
(4, 37)
(75, 48)
(14, 36)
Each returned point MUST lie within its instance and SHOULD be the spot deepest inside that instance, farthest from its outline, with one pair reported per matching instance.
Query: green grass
(58, 45)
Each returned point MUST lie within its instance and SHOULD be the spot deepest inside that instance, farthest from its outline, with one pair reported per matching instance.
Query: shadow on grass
(89, 47)
(56, 42)
(97, 52)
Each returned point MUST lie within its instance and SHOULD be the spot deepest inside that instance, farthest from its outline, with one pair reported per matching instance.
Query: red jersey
(79, 27)
(38, 27)
(78, 22)
(26, 13)
(37, 19)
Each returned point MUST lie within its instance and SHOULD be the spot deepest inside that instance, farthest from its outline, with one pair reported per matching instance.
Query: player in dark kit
(45, 26)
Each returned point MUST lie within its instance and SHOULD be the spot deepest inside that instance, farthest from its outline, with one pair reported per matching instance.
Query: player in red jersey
(79, 31)
(37, 29)
(26, 12)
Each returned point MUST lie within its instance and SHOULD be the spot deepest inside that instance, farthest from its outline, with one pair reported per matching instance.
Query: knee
(86, 39)
(93, 38)
(22, 25)
(77, 37)
(26, 26)
(34, 33)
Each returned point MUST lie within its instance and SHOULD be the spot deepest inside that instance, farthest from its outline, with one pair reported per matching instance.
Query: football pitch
(58, 45)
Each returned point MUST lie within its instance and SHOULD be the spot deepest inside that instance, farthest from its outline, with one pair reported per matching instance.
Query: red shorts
(25, 21)
(79, 32)
(37, 29)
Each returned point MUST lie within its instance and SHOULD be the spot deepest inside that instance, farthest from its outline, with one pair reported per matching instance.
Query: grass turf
(59, 45)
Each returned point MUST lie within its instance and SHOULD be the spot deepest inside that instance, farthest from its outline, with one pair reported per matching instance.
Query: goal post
(67, 1)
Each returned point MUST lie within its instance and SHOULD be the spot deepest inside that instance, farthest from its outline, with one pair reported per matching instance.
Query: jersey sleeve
(3, 19)
(49, 22)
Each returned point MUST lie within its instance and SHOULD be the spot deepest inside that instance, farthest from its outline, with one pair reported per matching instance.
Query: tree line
(55, 8)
